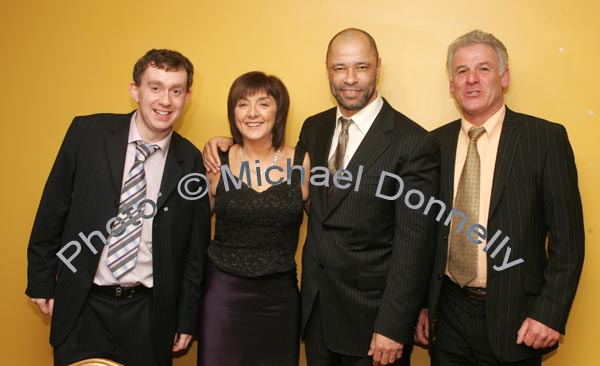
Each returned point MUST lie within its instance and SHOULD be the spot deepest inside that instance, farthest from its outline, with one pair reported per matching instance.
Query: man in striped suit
(366, 259)
(504, 300)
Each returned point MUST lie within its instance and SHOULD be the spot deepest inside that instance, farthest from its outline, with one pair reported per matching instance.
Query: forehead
(475, 54)
(255, 94)
(161, 75)
(351, 49)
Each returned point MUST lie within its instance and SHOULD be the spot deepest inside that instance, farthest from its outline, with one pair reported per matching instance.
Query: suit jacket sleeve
(564, 217)
(194, 266)
(49, 222)
(412, 255)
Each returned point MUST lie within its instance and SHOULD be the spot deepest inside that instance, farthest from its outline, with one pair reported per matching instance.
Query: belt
(474, 293)
(121, 292)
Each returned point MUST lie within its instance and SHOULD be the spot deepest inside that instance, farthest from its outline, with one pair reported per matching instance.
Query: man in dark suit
(366, 259)
(503, 301)
(116, 254)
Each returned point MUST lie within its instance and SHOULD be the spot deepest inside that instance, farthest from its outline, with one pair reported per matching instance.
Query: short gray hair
(475, 37)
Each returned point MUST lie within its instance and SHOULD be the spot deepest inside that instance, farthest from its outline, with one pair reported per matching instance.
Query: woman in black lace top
(250, 312)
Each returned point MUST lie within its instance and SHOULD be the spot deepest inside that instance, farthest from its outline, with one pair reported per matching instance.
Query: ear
(505, 79)
(378, 68)
(133, 91)
(188, 95)
(451, 87)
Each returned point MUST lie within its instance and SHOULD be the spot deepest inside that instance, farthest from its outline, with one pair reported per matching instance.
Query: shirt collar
(134, 135)
(491, 126)
(364, 118)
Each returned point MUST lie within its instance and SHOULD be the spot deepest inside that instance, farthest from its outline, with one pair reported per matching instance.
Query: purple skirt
(249, 320)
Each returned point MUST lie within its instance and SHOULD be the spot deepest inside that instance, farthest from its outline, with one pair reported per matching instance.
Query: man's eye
(154, 88)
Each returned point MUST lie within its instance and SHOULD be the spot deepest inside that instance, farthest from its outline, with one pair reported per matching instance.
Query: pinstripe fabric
(534, 197)
(368, 258)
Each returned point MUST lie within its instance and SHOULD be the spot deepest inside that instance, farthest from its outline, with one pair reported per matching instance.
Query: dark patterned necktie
(462, 259)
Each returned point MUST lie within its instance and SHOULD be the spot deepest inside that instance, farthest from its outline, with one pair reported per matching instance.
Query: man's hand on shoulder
(384, 350)
(45, 305)
(210, 153)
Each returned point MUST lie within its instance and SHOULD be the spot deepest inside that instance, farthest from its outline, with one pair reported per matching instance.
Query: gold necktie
(462, 259)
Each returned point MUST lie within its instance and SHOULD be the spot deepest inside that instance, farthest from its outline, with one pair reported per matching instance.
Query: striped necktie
(126, 233)
(336, 162)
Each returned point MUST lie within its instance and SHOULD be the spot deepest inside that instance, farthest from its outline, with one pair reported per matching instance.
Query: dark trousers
(462, 337)
(319, 354)
(119, 329)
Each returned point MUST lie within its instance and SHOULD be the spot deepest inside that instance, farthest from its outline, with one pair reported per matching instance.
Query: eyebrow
(163, 84)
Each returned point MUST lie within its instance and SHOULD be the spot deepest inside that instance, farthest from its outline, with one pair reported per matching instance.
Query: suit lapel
(172, 172)
(448, 145)
(371, 147)
(509, 140)
(116, 149)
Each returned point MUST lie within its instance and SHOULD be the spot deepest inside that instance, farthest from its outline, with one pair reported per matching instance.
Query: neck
(478, 120)
(151, 136)
(258, 151)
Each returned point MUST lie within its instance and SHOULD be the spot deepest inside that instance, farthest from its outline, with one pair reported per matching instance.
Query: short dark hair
(163, 59)
(252, 83)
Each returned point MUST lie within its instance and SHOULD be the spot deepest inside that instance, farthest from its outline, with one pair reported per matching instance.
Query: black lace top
(256, 233)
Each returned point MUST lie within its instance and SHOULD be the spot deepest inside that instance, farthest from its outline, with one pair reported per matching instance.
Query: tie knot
(345, 123)
(144, 150)
(475, 133)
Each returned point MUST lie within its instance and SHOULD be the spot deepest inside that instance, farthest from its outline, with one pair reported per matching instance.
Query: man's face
(353, 69)
(161, 97)
(476, 82)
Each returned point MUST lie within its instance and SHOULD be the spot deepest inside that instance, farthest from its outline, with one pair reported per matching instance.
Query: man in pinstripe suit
(528, 191)
(366, 259)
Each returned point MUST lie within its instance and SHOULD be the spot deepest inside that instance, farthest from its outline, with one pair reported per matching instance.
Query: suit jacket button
(445, 237)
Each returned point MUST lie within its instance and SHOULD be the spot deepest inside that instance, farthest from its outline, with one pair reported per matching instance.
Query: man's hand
(210, 153)
(422, 330)
(181, 342)
(384, 350)
(537, 335)
(45, 305)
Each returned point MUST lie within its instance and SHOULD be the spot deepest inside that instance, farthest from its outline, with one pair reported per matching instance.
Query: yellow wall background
(66, 58)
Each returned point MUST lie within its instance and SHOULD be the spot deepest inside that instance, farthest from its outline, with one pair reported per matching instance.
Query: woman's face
(255, 116)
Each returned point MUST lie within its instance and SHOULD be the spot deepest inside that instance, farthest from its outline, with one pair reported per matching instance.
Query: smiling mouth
(254, 124)
(162, 113)
(473, 93)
